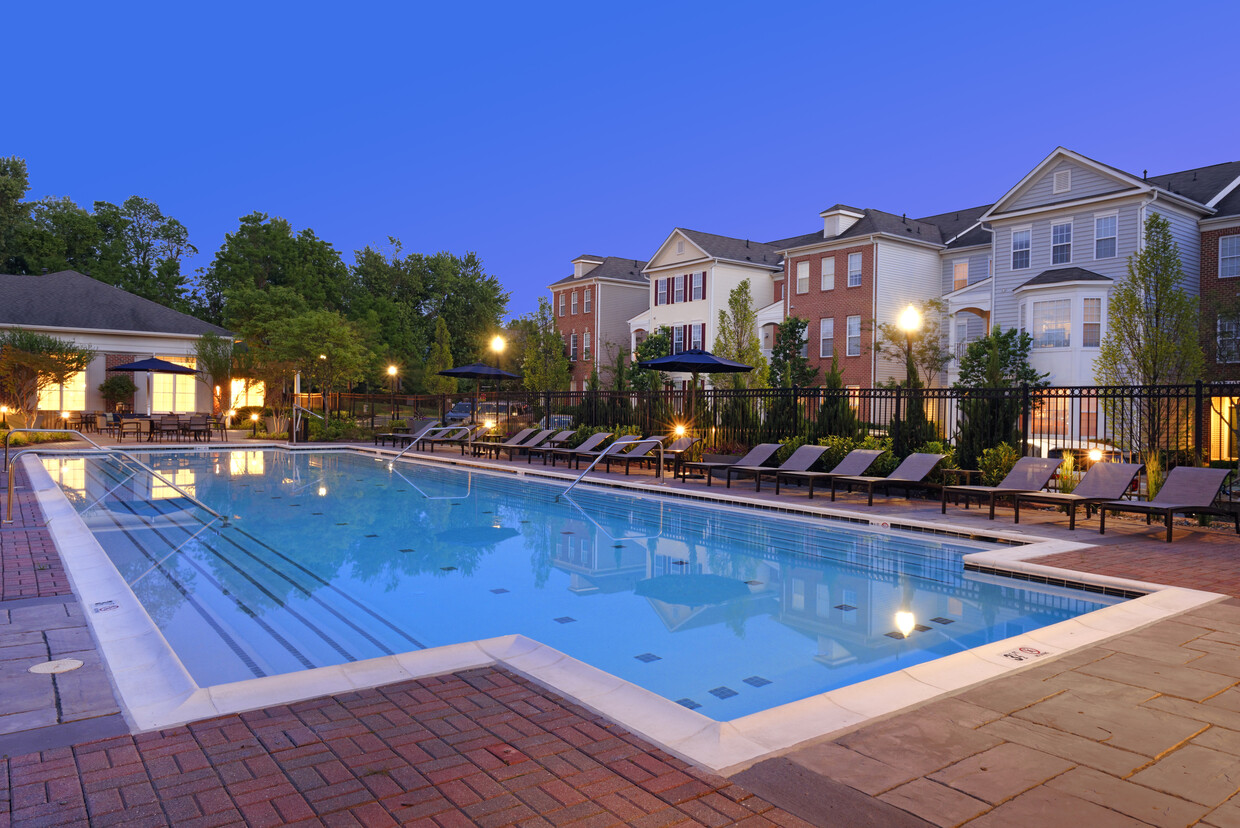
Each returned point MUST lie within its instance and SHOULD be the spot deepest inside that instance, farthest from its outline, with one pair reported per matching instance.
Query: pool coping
(156, 691)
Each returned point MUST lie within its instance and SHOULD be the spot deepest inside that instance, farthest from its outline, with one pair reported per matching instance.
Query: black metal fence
(1183, 423)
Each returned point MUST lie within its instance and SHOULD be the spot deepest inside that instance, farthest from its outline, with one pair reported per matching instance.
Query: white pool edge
(157, 692)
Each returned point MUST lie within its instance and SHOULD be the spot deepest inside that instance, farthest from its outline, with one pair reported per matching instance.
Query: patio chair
(1103, 482)
(589, 444)
(1188, 490)
(617, 446)
(548, 445)
(641, 451)
(439, 436)
(198, 427)
(415, 433)
(515, 440)
(168, 426)
(854, 463)
(675, 454)
(132, 427)
(756, 456)
(799, 460)
(910, 474)
(1030, 474)
(538, 439)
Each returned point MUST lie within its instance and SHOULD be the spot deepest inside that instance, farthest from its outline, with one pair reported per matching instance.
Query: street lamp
(4, 416)
(498, 345)
(392, 383)
(910, 323)
(254, 422)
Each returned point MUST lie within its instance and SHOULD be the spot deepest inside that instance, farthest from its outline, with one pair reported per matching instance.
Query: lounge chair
(854, 463)
(515, 440)
(1030, 474)
(415, 433)
(910, 474)
(616, 446)
(799, 460)
(495, 449)
(589, 444)
(1103, 482)
(642, 451)
(460, 436)
(756, 456)
(675, 454)
(1188, 490)
(548, 446)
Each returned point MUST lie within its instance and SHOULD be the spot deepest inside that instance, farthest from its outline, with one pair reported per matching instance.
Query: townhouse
(592, 307)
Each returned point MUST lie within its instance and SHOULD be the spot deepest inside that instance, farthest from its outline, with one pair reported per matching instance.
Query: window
(574, 304)
(1061, 243)
(678, 339)
(805, 348)
(699, 286)
(854, 336)
(585, 345)
(1228, 339)
(803, 277)
(585, 302)
(660, 291)
(1089, 415)
(1022, 318)
(828, 273)
(572, 347)
(826, 338)
(1091, 337)
(960, 275)
(680, 289)
(175, 393)
(1021, 240)
(1104, 237)
(562, 300)
(1063, 181)
(1052, 322)
(1229, 256)
(71, 396)
(854, 270)
(696, 333)
(244, 395)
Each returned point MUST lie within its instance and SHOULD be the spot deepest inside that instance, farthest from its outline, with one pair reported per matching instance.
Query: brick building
(592, 308)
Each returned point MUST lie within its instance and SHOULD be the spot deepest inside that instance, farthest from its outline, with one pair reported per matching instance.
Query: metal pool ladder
(604, 453)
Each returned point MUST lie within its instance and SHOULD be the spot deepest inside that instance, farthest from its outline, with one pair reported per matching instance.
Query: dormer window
(1063, 181)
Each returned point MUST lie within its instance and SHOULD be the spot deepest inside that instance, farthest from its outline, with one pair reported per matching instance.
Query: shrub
(583, 432)
(948, 462)
(1067, 474)
(333, 429)
(997, 462)
(786, 447)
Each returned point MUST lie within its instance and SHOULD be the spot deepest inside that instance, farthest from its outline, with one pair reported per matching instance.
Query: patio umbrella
(152, 366)
(695, 361)
(691, 590)
(478, 371)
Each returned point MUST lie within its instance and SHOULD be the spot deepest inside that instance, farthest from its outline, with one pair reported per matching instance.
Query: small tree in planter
(117, 391)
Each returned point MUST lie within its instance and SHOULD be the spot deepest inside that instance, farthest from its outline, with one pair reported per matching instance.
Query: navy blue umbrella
(695, 361)
(478, 371)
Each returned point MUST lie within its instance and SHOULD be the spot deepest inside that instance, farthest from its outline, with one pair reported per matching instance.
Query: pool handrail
(11, 468)
(604, 453)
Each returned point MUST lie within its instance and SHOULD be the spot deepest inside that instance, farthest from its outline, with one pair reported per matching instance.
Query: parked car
(505, 412)
(461, 412)
(559, 422)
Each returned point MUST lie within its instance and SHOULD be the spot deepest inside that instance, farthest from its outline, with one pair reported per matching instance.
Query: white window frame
(1027, 249)
(678, 289)
(1086, 322)
(1229, 353)
(1057, 248)
(660, 291)
(678, 339)
(826, 337)
(957, 268)
(586, 300)
(856, 266)
(697, 333)
(1039, 337)
(573, 304)
(803, 276)
(828, 272)
(585, 346)
(1114, 235)
(853, 344)
(572, 347)
(563, 301)
(1232, 259)
(698, 289)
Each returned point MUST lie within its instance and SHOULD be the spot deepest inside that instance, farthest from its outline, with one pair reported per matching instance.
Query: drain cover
(60, 665)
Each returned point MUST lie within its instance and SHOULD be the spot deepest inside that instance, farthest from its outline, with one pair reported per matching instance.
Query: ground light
(254, 420)
(4, 416)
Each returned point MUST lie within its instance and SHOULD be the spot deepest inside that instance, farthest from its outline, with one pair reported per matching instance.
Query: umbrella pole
(150, 382)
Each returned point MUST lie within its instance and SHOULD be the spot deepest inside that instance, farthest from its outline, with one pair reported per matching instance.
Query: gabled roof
(1200, 184)
(1065, 274)
(955, 222)
(73, 301)
(1124, 180)
(612, 267)
(736, 250)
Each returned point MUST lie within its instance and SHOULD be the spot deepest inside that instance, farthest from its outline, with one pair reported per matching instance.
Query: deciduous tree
(31, 362)
(737, 339)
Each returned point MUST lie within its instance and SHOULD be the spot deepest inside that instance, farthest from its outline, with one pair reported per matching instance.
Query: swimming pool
(334, 557)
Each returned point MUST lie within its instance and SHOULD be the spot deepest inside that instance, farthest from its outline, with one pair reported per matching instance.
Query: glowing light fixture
(498, 344)
(910, 320)
(679, 431)
(1095, 455)
(905, 622)
(391, 370)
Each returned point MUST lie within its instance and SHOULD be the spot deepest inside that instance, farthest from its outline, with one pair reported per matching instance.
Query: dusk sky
(532, 133)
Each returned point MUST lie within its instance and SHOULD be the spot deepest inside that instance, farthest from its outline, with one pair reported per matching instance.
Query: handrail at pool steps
(292, 432)
(11, 468)
(604, 453)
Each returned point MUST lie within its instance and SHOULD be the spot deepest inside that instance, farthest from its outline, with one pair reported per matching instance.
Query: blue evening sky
(534, 132)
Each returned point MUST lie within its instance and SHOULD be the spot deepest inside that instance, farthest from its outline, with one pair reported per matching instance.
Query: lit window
(828, 273)
(660, 291)
(585, 302)
(71, 396)
(854, 336)
(175, 393)
(1228, 339)
(1229, 256)
(803, 277)
(1089, 415)
(960, 275)
(699, 286)
(1104, 237)
(678, 339)
(244, 395)
(680, 288)
(1091, 336)
(574, 305)
(1052, 322)
(1061, 243)
(1021, 240)
(585, 345)
(854, 270)
(826, 338)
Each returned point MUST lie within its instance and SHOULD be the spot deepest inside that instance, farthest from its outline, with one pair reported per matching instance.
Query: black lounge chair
(640, 451)
(513, 450)
(589, 455)
(799, 460)
(415, 433)
(456, 436)
(1030, 474)
(854, 463)
(756, 456)
(1103, 482)
(910, 474)
(549, 445)
(588, 444)
(1188, 490)
(515, 440)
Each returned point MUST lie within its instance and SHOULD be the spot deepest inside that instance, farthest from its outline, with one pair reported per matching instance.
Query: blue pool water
(333, 557)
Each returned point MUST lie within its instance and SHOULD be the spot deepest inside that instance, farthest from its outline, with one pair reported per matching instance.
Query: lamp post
(254, 423)
(4, 416)
(910, 323)
(497, 345)
(392, 384)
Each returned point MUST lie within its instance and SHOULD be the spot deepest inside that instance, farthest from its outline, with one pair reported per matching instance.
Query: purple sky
(532, 133)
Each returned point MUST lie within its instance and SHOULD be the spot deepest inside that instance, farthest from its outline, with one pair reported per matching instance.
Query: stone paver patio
(1143, 729)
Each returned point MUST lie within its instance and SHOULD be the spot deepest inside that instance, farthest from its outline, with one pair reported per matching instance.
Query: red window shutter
(703, 284)
(671, 290)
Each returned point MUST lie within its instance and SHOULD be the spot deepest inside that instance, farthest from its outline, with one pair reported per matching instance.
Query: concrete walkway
(1141, 730)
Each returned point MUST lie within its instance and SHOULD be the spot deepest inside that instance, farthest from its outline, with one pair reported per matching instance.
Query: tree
(789, 366)
(440, 359)
(656, 344)
(14, 182)
(737, 339)
(989, 410)
(836, 417)
(930, 355)
(323, 346)
(1151, 339)
(31, 362)
(140, 251)
(214, 358)
(544, 363)
(57, 235)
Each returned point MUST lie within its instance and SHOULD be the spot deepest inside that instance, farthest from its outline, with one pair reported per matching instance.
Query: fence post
(1026, 409)
(1199, 426)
